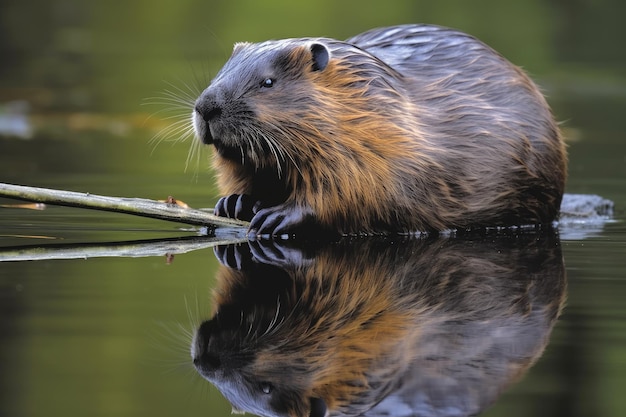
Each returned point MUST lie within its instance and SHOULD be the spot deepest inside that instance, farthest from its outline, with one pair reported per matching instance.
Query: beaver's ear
(318, 406)
(321, 55)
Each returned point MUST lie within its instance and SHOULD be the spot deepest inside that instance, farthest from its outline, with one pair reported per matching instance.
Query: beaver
(399, 129)
(418, 327)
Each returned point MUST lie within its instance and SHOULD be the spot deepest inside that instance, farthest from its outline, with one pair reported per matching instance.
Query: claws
(248, 255)
(278, 254)
(233, 256)
(236, 206)
(278, 221)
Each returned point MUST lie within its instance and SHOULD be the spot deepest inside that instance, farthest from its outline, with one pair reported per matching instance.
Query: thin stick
(135, 206)
(134, 249)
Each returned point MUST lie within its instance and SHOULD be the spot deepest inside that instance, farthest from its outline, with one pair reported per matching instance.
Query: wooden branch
(135, 206)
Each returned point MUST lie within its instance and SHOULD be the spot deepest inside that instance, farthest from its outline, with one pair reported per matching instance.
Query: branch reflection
(415, 328)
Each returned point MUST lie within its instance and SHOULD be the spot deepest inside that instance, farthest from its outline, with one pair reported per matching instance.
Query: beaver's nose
(207, 107)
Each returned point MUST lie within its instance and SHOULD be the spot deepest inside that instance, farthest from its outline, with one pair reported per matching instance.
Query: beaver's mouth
(211, 133)
(202, 128)
(239, 145)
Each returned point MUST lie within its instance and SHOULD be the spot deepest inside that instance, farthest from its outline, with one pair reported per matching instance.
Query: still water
(522, 325)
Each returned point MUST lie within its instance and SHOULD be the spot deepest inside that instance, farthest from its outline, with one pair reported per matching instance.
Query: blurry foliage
(73, 54)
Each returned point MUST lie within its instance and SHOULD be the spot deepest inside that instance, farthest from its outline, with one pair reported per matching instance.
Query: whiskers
(177, 104)
(170, 351)
(260, 142)
(273, 142)
(174, 340)
(260, 325)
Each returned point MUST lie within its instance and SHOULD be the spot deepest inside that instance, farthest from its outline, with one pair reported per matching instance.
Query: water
(112, 335)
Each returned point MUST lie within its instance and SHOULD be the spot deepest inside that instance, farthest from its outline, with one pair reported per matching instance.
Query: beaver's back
(486, 122)
(458, 70)
(406, 45)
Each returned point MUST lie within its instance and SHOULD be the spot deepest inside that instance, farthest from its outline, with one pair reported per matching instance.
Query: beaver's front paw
(278, 221)
(235, 206)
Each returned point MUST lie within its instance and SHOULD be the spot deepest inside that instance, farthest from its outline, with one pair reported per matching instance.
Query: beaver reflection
(416, 328)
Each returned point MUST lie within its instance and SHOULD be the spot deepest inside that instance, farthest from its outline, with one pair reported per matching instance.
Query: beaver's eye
(268, 83)
(266, 387)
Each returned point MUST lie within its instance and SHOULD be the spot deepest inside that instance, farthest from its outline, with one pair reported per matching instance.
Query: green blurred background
(109, 55)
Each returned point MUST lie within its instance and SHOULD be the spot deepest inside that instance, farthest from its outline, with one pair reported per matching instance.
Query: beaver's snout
(207, 111)
(208, 108)
(204, 360)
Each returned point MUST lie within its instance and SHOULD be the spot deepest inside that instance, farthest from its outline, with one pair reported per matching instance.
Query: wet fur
(409, 128)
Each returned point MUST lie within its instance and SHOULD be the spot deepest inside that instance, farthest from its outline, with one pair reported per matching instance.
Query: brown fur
(386, 136)
(448, 323)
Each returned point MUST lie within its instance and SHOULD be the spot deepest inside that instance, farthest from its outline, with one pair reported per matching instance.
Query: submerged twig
(134, 249)
(135, 206)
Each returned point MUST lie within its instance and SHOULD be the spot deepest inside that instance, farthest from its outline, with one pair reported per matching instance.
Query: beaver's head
(265, 389)
(258, 80)
(236, 350)
(281, 104)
